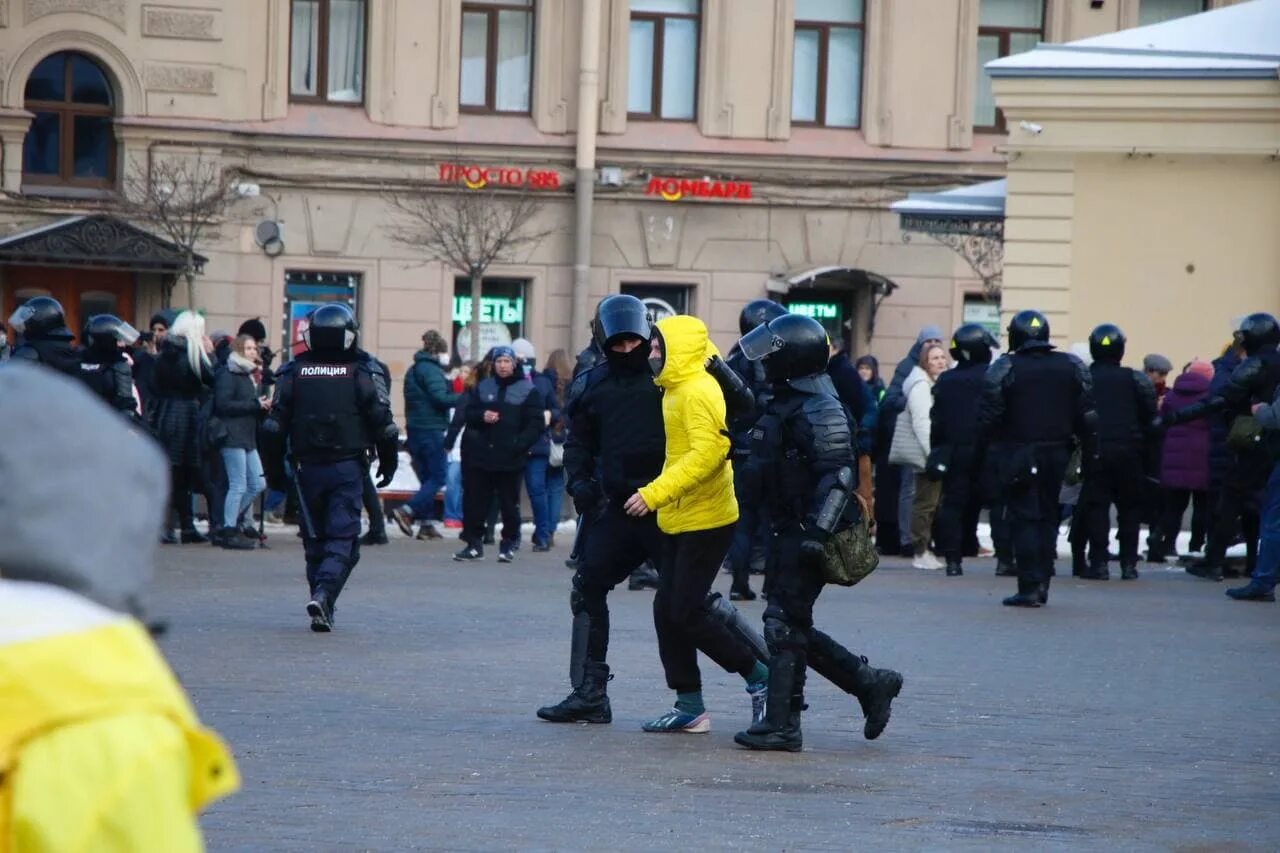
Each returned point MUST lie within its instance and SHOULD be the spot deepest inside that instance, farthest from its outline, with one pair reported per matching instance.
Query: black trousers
(1237, 508)
(1032, 509)
(331, 525)
(186, 481)
(478, 490)
(612, 546)
(1175, 507)
(964, 491)
(688, 567)
(1117, 478)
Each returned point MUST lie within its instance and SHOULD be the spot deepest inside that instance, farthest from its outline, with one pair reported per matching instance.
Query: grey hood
(84, 494)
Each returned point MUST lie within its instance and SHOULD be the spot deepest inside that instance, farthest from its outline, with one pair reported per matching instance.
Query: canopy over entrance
(98, 242)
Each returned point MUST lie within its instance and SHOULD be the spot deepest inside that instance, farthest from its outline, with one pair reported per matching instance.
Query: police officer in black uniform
(42, 324)
(752, 525)
(967, 478)
(331, 407)
(616, 444)
(1254, 381)
(803, 456)
(1034, 403)
(377, 534)
(1123, 457)
(104, 366)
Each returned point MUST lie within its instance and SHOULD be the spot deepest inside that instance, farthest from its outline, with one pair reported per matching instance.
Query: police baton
(308, 529)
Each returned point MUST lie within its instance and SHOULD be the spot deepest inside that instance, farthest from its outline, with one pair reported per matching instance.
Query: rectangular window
(662, 78)
(501, 314)
(826, 79)
(1158, 11)
(327, 47)
(304, 292)
(662, 300)
(497, 56)
(1005, 27)
(983, 311)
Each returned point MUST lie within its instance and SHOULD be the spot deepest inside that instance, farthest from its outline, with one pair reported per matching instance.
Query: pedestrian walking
(427, 401)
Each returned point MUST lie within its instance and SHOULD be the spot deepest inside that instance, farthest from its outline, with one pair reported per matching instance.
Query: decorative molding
(778, 116)
(120, 68)
(172, 22)
(444, 101)
(550, 106)
(275, 88)
(877, 118)
(960, 122)
(111, 11)
(613, 64)
(100, 241)
(186, 79)
(662, 232)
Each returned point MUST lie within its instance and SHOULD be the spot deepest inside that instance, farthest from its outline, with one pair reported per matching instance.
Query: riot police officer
(331, 406)
(1035, 402)
(1254, 382)
(1123, 455)
(42, 325)
(751, 523)
(104, 366)
(616, 444)
(967, 478)
(802, 453)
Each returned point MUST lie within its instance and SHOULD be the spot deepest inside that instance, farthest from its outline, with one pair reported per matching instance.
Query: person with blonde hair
(183, 380)
(237, 404)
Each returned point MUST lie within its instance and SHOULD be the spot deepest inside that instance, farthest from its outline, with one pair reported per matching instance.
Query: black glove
(388, 462)
(587, 498)
(812, 552)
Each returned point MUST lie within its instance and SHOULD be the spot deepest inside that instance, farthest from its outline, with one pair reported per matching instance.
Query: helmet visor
(126, 334)
(760, 342)
(20, 317)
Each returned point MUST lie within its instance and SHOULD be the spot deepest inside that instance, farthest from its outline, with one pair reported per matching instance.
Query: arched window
(71, 140)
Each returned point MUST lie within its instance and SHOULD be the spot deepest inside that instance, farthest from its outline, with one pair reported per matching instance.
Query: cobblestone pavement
(1122, 716)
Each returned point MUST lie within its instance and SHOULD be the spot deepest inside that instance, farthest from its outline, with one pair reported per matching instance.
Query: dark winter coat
(235, 402)
(179, 394)
(54, 350)
(1219, 422)
(545, 384)
(1184, 464)
(501, 446)
(858, 398)
(427, 396)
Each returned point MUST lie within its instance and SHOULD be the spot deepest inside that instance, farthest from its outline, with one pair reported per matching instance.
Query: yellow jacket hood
(686, 347)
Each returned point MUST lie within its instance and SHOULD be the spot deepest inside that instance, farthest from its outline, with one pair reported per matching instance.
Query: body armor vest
(327, 424)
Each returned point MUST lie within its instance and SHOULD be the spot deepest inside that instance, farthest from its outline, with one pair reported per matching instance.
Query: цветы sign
(674, 189)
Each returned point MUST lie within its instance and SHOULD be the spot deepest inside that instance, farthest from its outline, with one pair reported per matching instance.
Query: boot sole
(871, 732)
(756, 747)
(319, 624)
(600, 721)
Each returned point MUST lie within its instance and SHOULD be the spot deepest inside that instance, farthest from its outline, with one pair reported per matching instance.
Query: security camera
(1031, 127)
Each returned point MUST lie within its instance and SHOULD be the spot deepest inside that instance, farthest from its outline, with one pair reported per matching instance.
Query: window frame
(824, 28)
(491, 10)
(1002, 50)
(66, 111)
(658, 19)
(322, 60)
(1205, 6)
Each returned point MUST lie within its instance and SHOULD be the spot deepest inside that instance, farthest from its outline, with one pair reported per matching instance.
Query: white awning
(976, 201)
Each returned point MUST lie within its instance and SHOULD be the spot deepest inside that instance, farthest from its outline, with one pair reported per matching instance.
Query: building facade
(741, 149)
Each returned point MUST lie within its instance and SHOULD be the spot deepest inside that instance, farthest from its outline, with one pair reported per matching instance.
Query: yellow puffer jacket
(99, 747)
(695, 489)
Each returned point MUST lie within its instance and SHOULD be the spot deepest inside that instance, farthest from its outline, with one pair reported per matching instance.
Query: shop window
(71, 140)
(833, 309)
(983, 311)
(826, 78)
(1157, 11)
(327, 47)
(497, 56)
(662, 300)
(502, 314)
(1005, 27)
(304, 292)
(662, 81)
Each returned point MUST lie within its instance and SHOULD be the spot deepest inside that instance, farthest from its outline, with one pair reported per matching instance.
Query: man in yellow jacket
(694, 499)
(100, 749)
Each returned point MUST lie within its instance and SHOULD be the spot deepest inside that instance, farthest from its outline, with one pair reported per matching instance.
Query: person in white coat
(911, 448)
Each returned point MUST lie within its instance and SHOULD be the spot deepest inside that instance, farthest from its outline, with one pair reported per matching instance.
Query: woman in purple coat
(1184, 463)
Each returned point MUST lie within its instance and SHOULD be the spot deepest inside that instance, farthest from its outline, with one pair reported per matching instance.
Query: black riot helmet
(1257, 332)
(38, 317)
(1028, 327)
(972, 344)
(332, 330)
(756, 313)
(621, 315)
(1106, 343)
(105, 332)
(795, 350)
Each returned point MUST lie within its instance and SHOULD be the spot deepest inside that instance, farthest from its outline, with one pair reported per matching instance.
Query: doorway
(82, 292)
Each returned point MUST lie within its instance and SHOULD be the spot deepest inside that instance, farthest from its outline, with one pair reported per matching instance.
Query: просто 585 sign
(475, 177)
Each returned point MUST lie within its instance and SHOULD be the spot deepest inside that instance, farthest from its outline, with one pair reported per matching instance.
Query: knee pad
(585, 596)
(780, 634)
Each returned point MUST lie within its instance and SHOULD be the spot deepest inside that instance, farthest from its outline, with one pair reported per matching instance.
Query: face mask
(444, 359)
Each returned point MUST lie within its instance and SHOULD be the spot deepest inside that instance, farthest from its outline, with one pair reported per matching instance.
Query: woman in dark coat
(1184, 462)
(886, 478)
(237, 405)
(183, 379)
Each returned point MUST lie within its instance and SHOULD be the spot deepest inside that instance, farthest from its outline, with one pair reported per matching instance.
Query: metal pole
(585, 171)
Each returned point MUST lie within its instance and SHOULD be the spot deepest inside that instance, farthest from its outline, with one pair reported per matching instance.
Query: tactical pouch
(850, 553)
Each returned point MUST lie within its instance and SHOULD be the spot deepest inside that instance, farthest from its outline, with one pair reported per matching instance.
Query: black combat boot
(779, 731)
(589, 701)
(1130, 573)
(320, 610)
(1005, 569)
(1028, 595)
(1098, 572)
(954, 568)
(875, 689)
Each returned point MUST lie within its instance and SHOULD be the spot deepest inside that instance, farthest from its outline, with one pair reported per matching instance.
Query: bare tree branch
(467, 229)
(181, 197)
